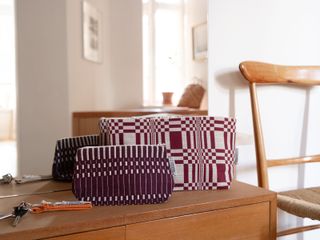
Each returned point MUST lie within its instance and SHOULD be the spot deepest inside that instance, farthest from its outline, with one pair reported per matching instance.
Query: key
(19, 212)
(32, 178)
(2, 216)
(6, 179)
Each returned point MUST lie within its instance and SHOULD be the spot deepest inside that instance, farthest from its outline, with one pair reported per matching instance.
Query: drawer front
(116, 233)
(245, 222)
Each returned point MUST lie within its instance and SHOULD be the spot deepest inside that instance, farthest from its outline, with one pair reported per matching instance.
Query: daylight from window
(163, 49)
(8, 154)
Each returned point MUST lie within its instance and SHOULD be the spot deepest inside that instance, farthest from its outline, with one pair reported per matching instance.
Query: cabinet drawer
(116, 233)
(245, 222)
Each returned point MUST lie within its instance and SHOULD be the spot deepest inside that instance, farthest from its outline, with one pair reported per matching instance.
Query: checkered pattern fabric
(202, 147)
(125, 131)
(65, 152)
(123, 174)
(217, 152)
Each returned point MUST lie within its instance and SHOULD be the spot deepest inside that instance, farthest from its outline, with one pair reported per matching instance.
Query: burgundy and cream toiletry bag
(65, 153)
(123, 174)
(202, 147)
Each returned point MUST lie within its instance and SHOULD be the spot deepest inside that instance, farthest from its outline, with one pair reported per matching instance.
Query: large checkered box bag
(122, 174)
(65, 153)
(202, 147)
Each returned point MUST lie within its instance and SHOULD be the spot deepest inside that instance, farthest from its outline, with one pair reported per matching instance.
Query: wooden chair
(301, 202)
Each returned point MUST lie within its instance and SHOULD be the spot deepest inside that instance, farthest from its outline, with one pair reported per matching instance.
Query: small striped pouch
(122, 174)
(65, 152)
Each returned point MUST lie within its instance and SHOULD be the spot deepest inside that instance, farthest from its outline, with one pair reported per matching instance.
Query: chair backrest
(264, 73)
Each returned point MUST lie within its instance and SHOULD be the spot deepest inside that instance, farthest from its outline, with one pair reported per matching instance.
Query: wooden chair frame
(262, 73)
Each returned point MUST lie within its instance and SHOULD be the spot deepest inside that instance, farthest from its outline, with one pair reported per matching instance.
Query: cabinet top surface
(99, 217)
(139, 111)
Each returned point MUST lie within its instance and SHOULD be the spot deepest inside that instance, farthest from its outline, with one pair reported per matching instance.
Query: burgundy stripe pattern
(202, 147)
(123, 174)
(65, 153)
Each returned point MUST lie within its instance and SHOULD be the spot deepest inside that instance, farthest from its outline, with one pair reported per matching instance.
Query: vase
(167, 98)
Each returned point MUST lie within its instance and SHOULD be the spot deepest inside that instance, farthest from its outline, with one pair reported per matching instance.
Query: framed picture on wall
(92, 30)
(200, 41)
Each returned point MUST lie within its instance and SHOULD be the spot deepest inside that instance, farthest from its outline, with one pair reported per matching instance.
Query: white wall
(117, 81)
(54, 79)
(42, 102)
(126, 53)
(89, 82)
(283, 32)
(196, 12)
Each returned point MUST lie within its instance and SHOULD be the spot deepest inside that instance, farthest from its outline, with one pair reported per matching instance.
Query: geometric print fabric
(202, 147)
(65, 152)
(115, 131)
(123, 174)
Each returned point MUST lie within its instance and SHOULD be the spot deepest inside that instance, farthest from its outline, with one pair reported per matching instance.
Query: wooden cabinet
(246, 222)
(115, 233)
(243, 212)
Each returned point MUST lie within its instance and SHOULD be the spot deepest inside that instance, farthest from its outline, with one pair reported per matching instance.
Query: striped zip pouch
(65, 152)
(122, 174)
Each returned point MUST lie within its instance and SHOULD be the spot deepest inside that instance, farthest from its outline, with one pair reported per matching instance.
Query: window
(7, 88)
(7, 55)
(163, 49)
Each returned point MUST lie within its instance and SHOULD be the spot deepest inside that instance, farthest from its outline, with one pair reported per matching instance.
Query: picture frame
(92, 32)
(200, 42)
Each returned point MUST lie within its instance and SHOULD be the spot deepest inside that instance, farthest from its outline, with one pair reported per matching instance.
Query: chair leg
(298, 230)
